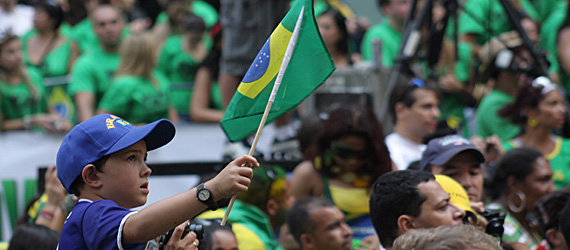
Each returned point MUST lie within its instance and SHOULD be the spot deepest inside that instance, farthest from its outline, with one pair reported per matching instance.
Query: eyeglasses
(347, 153)
(544, 84)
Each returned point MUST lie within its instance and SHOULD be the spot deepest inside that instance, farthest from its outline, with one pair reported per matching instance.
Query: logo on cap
(455, 140)
(111, 124)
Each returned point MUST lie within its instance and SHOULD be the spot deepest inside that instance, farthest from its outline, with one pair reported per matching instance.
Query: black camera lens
(198, 229)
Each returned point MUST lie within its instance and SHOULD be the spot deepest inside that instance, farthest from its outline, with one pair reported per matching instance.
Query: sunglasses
(544, 84)
(347, 153)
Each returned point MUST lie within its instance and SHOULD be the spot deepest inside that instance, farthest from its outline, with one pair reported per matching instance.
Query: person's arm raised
(162, 216)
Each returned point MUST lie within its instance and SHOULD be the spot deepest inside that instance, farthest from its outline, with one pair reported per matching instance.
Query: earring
(532, 122)
(512, 206)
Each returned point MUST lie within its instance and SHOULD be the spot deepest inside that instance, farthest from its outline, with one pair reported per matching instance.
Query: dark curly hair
(352, 121)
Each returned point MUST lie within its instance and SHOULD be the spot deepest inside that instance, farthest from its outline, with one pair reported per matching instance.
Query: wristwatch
(204, 195)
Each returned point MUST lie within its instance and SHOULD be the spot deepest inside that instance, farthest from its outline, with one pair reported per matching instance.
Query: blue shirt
(96, 225)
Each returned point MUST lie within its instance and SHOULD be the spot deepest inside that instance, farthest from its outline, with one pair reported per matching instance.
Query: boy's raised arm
(164, 215)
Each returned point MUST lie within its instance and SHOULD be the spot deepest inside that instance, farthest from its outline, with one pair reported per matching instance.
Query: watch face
(203, 195)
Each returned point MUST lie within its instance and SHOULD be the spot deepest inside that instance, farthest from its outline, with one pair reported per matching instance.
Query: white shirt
(403, 151)
(20, 21)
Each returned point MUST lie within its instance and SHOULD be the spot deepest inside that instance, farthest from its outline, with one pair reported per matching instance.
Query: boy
(102, 161)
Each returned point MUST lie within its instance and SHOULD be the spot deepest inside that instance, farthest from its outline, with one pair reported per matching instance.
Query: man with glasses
(414, 108)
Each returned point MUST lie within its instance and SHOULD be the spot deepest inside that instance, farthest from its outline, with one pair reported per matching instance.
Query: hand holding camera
(183, 236)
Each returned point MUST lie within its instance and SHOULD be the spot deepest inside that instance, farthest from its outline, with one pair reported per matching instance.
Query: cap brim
(156, 135)
(446, 156)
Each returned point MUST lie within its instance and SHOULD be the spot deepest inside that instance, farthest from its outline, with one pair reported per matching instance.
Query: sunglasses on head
(347, 153)
(417, 82)
(544, 84)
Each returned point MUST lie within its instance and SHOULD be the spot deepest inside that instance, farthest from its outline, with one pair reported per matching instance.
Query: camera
(495, 220)
(198, 229)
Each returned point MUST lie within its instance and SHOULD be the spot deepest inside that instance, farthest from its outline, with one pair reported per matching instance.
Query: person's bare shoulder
(306, 180)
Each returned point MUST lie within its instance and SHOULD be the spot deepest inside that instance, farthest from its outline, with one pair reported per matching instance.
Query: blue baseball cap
(440, 150)
(103, 135)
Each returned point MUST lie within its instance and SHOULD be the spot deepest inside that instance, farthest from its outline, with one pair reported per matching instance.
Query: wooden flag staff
(284, 64)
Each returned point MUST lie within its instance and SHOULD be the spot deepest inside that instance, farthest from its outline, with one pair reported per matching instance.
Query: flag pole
(284, 64)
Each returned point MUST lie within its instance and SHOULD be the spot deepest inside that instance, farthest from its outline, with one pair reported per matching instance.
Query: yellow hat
(458, 195)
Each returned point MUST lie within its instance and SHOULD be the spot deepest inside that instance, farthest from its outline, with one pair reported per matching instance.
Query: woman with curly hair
(346, 157)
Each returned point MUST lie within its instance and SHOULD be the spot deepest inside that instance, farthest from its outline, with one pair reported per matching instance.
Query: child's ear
(272, 207)
(90, 176)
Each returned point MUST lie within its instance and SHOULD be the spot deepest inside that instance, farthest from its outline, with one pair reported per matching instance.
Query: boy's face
(124, 176)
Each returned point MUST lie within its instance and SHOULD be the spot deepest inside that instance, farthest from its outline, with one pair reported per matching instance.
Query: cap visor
(156, 134)
(445, 157)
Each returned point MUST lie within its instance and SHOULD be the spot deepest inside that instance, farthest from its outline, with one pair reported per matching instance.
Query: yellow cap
(458, 195)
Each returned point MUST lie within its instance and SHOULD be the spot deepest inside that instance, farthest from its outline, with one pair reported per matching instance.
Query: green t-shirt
(488, 120)
(389, 38)
(199, 8)
(559, 159)
(137, 99)
(82, 34)
(55, 63)
(549, 34)
(180, 70)
(250, 225)
(93, 73)
(488, 18)
(548, 40)
(18, 101)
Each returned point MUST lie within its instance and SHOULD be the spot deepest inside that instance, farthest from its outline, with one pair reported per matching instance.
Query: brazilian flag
(309, 67)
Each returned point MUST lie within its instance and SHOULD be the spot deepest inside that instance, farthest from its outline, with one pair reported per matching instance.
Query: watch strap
(210, 202)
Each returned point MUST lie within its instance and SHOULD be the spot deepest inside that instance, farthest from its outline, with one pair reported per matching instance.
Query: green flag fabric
(309, 67)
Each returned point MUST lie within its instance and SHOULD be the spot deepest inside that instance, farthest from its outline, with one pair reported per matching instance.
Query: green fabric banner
(309, 67)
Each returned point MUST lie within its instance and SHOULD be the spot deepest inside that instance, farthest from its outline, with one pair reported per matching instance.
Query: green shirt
(137, 99)
(180, 70)
(251, 226)
(93, 73)
(548, 40)
(55, 63)
(559, 159)
(389, 38)
(82, 34)
(199, 8)
(17, 101)
(549, 35)
(488, 120)
(488, 18)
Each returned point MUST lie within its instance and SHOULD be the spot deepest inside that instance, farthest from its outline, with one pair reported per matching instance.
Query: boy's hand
(177, 243)
(234, 178)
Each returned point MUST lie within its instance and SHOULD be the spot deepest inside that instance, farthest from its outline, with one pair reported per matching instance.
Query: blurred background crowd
(494, 72)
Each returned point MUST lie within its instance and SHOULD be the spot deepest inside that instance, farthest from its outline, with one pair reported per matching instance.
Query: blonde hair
(21, 71)
(138, 57)
(446, 238)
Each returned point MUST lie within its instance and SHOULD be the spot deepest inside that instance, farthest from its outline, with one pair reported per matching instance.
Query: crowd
(478, 157)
